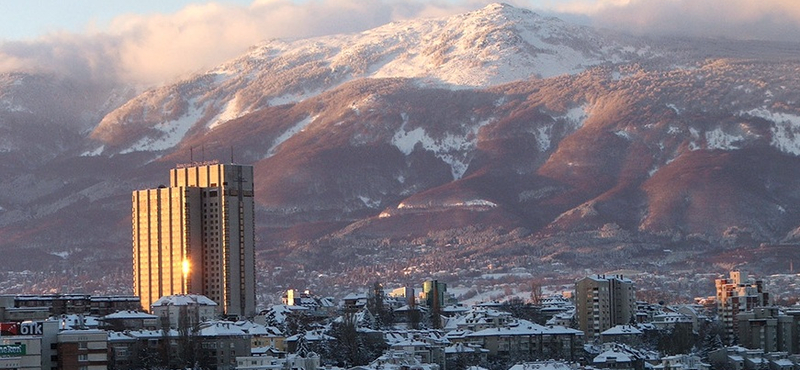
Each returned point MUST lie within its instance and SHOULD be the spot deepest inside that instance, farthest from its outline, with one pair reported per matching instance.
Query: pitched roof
(184, 300)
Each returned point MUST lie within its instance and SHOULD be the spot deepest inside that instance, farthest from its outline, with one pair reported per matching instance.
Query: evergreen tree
(376, 304)
(272, 320)
(302, 346)
(434, 319)
(711, 342)
(347, 343)
(367, 320)
(414, 317)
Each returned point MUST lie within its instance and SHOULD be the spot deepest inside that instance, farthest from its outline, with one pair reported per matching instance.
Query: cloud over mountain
(777, 20)
(155, 48)
(152, 49)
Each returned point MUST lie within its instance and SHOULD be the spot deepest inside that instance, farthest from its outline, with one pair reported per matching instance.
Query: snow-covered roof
(397, 360)
(489, 304)
(221, 329)
(410, 343)
(672, 317)
(184, 300)
(622, 330)
(455, 334)
(459, 348)
(427, 336)
(354, 296)
(526, 328)
(77, 321)
(151, 334)
(118, 336)
(311, 336)
(608, 277)
(455, 309)
(544, 365)
(409, 308)
(82, 331)
(327, 302)
(612, 355)
(258, 329)
(262, 351)
(129, 315)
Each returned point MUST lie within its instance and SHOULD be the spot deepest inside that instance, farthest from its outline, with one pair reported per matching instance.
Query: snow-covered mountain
(496, 134)
(494, 45)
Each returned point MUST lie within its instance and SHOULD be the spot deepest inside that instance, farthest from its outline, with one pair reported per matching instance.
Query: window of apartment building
(83, 357)
(82, 345)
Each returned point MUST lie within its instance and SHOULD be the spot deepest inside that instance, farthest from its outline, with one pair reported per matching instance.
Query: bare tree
(536, 293)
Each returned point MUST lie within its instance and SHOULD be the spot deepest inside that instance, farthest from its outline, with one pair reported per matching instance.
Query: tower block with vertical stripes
(197, 236)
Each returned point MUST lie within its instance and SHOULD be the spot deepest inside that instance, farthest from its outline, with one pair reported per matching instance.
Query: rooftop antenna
(191, 154)
(204, 152)
(231, 154)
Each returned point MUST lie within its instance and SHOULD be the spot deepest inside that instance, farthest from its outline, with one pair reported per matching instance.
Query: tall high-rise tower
(735, 295)
(604, 302)
(197, 236)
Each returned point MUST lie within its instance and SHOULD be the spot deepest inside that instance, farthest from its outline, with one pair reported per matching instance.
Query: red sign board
(21, 328)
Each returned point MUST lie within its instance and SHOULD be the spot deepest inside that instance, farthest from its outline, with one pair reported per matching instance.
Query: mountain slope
(496, 137)
(490, 46)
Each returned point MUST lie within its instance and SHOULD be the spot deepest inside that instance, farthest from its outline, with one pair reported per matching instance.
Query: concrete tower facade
(197, 236)
(602, 302)
(735, 295)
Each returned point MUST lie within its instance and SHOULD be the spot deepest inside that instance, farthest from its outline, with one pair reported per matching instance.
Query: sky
(149, 42)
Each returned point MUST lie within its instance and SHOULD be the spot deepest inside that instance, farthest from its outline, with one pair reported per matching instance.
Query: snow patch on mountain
(476, 203)
(543, 137)
(93, 153)
(583, 210)
(232, 110)
(574, 118)
(369, 202)
(624, 134)
(9, 106)
(454, 149)
(472, 203)
(674, 108)
(785, 131)
(172, 132)
(719, 139)
(293, 97)
(298, 127)
(63, 254)
(694, 136)
(446, 148)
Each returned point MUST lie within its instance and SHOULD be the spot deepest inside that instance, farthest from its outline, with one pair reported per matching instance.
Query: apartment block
(602, 302)
(197, 236)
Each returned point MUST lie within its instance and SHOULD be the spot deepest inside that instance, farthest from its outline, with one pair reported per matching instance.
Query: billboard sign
(12, 350)
(21, 328)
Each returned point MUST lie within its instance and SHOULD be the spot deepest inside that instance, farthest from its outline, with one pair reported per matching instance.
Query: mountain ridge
(372, 143)
(494, 45)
